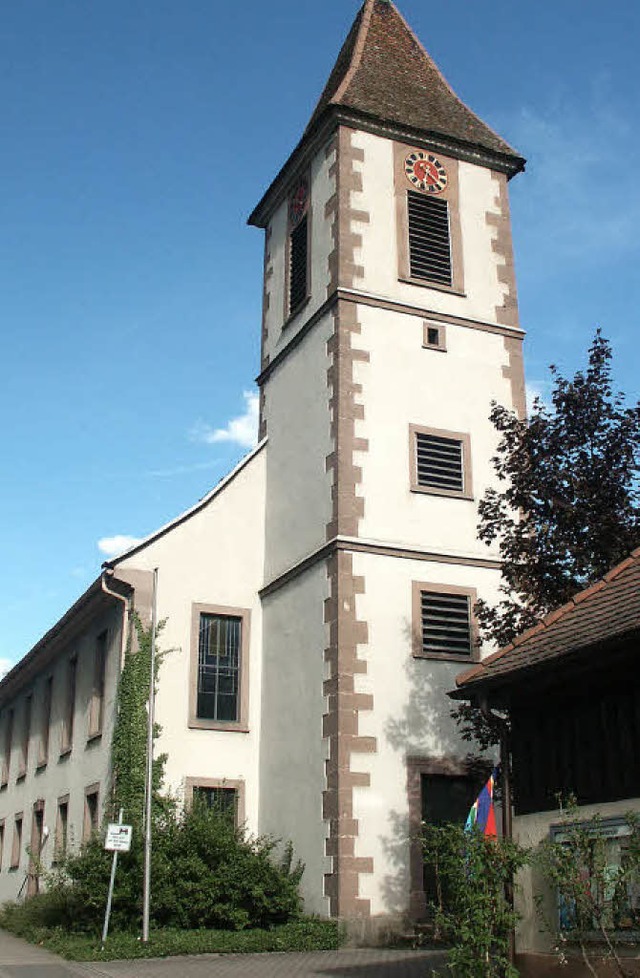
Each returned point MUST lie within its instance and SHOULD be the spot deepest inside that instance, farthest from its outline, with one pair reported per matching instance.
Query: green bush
(205, 874)
(472, 912)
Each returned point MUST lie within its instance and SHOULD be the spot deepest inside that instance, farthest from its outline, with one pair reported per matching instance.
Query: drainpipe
(126, 617)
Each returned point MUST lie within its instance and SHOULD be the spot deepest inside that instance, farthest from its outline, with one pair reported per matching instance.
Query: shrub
(472, 912)
(205, 874)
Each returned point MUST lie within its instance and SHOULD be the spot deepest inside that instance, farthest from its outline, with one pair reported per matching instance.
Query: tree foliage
(566, 508)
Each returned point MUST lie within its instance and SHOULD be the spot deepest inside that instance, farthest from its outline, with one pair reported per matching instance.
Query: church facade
(319, 601)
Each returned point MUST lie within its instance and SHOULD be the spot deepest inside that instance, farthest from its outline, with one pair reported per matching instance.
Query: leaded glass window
(219, 667)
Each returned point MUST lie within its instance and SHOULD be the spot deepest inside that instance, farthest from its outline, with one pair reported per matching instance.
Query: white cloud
(117, 544)
(242, 430)
(5, 666)
(540, 389)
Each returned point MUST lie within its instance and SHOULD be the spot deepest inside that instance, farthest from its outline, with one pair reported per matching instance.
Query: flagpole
(146, 891)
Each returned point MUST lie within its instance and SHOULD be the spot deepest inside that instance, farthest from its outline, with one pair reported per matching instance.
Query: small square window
(434, 336)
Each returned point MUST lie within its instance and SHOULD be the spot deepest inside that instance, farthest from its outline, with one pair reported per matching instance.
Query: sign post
(118, 839)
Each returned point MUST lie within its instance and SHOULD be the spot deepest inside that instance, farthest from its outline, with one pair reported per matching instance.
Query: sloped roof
(384, 71)
(605, 611)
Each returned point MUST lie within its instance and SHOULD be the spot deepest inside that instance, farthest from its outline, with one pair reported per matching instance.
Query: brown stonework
(500, 218)
(514, 372)
(340, 728)
(345, 409)
(343, 270)
(266, 305)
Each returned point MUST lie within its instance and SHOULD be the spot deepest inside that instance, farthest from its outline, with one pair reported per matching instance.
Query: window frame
(9, 724)
(44, 742)
(241, 725)
(61, 832)
(451, 194)
(25, 739)
(36, 841)
(441, 345)
(417, 587)
(467, 471)
(227, 783)
(69, 716)
(98, 685)
(2, 840)
(91, 791)
(16, 845)
(290, 312)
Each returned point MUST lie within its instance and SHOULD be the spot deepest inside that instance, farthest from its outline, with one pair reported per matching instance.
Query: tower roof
(383, 79)
(384, 71)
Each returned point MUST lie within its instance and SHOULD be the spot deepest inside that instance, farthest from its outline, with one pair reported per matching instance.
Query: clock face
(298, 202)
(425, 172)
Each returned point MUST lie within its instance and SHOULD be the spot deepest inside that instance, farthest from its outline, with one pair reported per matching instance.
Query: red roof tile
(383, 71)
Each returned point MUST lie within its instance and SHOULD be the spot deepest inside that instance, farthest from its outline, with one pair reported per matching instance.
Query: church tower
(390, 323)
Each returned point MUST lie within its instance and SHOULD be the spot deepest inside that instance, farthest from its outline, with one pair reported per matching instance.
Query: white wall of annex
(405, 384)
(411, 714)
(379, 253)
(323, 186)
(530, 830)
(88, 762)
(214, 557)
(298, 487)
(292, 748)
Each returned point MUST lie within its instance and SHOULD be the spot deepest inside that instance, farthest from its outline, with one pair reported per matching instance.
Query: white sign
(118, 838)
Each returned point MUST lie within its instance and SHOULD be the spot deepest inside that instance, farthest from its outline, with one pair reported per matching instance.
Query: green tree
(566, 508)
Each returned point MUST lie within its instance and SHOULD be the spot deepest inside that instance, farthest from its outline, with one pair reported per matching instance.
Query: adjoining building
(319, 600)
(572, 690)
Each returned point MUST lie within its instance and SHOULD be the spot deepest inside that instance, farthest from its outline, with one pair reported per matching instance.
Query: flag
(482, 815)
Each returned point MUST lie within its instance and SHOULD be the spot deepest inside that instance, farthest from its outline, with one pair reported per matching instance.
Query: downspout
(507, 817)
(126, 617)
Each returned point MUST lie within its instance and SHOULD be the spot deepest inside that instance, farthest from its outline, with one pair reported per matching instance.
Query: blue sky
(136, 138)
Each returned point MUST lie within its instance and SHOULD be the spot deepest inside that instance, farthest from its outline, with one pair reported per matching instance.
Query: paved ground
(21, 960)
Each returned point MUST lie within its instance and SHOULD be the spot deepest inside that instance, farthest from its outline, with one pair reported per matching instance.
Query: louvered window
(439, 463)
(298, 265)
(446, 623)
(429, 238)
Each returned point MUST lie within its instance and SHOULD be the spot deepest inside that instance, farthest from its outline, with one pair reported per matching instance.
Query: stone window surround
(237, 785)
(8, 746)
(25, 738)
(45, 729)
(34, 870)
(2, 835)
(89, 791)
(417, 587)
(59, 840)
(241, 725)
(96, 700)
(417, 766)
(441, 345)
(290, 314)
(68, 719)
(16, 847)
(467, 477)
(451, 194)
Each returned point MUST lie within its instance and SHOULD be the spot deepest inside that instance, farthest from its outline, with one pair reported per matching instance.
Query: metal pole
(146, 892)
(107, 912)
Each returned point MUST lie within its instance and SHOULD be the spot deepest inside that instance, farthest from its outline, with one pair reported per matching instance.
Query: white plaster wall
(298, 487)
(214, 557)
(323, 186)
(292, 748)
(405, 384)
(410, 715)
(530, 830)
(379, 252)
(87, 763)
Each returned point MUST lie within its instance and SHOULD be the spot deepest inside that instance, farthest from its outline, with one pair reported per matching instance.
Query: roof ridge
(356, 57)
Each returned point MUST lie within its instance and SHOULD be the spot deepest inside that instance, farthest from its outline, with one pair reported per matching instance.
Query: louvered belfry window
(446, 623)
(298, 245)
(429, 238)
(440, 463)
